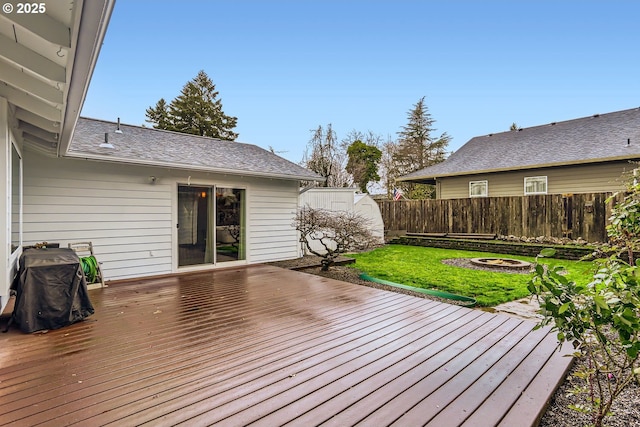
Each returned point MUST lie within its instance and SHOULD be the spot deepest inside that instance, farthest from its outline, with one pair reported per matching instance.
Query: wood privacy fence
(549, 215)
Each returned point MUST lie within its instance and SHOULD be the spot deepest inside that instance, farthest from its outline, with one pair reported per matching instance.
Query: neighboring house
(344, 199)
(46, 61)
(576, 156)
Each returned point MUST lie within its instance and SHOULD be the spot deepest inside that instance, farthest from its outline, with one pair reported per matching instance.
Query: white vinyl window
(478, 188)
(535, 185)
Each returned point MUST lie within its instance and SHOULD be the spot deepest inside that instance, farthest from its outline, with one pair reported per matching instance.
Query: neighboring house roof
(147, 146)
(598, 138)
(329, 189)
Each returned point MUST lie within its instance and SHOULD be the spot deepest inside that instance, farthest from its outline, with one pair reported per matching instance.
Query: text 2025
(31, 8)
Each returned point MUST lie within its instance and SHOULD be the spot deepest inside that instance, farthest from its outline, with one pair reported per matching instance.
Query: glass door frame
(212, 188)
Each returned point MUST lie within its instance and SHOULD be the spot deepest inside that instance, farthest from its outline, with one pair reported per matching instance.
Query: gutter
(167, 165)
(332, 189)
(517, 168)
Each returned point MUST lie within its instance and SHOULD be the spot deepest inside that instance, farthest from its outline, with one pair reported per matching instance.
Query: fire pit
(502, 263)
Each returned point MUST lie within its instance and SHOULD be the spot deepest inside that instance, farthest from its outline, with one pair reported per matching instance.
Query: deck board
(266, 346)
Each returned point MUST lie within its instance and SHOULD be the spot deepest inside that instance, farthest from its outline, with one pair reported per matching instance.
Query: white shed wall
(132, 223)
(368, 208)
(334, 199)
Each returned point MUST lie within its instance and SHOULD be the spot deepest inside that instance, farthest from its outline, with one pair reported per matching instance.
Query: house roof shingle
(597, 138)
(147, 146)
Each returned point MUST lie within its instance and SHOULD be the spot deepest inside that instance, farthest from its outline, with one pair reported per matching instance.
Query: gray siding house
(159, 202)
(583, 155)
(151, 202)
(45, 68)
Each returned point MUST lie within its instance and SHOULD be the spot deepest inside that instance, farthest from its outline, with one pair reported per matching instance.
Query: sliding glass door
(211, 225)
(230, 225)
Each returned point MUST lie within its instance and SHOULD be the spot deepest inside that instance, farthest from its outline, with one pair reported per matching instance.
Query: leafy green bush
(602, 318)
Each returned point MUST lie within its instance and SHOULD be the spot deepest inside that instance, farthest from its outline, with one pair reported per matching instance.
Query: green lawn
(422, 267)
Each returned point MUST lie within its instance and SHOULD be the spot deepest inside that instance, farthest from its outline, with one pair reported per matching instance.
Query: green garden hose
(464, 301)
(90, 268)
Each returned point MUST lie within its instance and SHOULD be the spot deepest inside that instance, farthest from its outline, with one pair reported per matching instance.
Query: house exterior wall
(5, 242)
(9, 258)
(5, 203)
(272, 205)
(593, 178)
(132, 221)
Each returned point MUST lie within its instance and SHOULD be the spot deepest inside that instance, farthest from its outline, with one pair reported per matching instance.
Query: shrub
(602, 318)
(337, 232)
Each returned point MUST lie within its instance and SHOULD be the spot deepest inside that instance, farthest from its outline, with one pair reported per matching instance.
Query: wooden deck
(266, 346)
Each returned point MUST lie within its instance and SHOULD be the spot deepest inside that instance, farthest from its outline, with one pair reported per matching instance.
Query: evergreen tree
(159, 115)
(196, 111)
(363, 163)
(418, 149)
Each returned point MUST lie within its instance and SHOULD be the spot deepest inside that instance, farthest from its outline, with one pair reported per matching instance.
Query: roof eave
(91, 29)
(419, 180)
(169, 165)
(431, 179)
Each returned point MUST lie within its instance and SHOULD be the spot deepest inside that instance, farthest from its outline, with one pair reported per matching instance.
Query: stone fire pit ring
(501, 263)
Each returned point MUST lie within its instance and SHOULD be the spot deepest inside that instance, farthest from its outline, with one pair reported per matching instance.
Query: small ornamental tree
(337, 232)
(601, 319)
(363, 163)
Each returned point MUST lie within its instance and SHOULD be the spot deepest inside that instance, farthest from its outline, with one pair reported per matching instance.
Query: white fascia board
(89, 36)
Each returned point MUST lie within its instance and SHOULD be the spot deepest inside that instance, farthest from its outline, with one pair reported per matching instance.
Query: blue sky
(286, 67)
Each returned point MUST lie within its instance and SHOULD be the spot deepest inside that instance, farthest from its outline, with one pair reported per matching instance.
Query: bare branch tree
(324, 157)
(388, 171)
(337, 232)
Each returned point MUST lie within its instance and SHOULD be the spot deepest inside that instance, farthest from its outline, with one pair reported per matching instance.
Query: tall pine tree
(159, 115)
(196, 111)
(418, 149)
